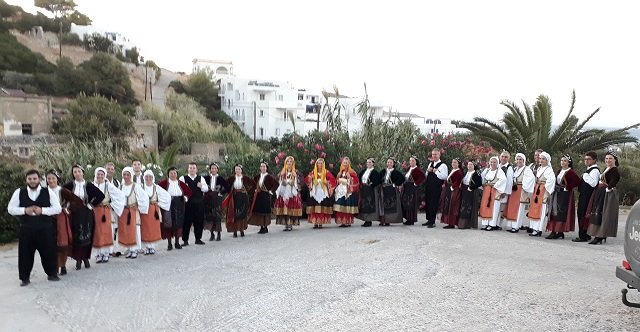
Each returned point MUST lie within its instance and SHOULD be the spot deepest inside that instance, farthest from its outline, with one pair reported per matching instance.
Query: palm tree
(531, 129)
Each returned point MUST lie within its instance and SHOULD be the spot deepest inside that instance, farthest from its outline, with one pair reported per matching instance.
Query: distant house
(22, 114)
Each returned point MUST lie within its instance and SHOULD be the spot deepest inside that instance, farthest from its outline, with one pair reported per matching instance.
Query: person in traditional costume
(451, 204)
(36, 206)
(562, 206)
(111, 171)
(369, 195)
(436, 175)
(346, 194)
(545, 186)
(262, 202)
(194, 208)
(321, 185)
(151, 222)
(494, 184)
(604, 204)
(524, 180)
(414, 177)
(288, 204)
(82, 219)
(112, 203)
(470, 197)
(507, 168)
(136, 203)
(390, 197)
(588, 183)
(237, 202)
(68, 201)
(137, 172)
(218, 187)
(536, 161)
(173, 222)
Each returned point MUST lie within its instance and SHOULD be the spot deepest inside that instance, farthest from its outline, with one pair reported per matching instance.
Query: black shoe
(63, 271)
(178, 246)
(212, 237)
(578, 239)
(53, 278)
(387, 224)
(426, 224)
(261, 231)
(366, 224)
(535, 233)
(597, 240)
(235, 234)
(529, 230)
(86, 264)
(406, 223)
(497, 228)
(449, 227)
(199, 242)
(484, 228)
(185, 243)
(25, 283)
(218, 237)
(552, 236)
(514, 230)
(522, 228)
(431, 226)
(241, 233)
(266, 230)
(490, 228)
(343, 226)
(78, 265)
(314, 227)
(170, 247)
(560, 236)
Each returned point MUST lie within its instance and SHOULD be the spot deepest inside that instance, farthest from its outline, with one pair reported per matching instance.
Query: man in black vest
(194, 209)
(437, 173)
(590, 180)
(36, 206)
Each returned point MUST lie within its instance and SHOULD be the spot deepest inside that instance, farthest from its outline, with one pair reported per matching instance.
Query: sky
(447, 59)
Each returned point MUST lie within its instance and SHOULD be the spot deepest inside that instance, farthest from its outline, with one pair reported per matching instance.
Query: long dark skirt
(82, 225)
(261, 213)
(390, 204)
(451, 206)
(213, 212)
(369, 198)
(562, 214)
(410, 202)
(469, 205)
(241, 211)
(604, 216)
(173, 222)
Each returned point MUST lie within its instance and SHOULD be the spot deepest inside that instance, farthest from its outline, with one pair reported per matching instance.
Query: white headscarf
(497, 160)
(95, 173)
(148, 172)
(522, 156)
(127, 169)
(546, 156)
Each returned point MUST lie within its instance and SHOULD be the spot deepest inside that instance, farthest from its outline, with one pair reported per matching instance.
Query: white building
(218, 68)
(122, 42)
(426, 125)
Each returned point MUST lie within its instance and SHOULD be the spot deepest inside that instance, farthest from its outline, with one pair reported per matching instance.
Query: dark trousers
(583, 223)
(193, 215)
(432, 200)
(40, 236)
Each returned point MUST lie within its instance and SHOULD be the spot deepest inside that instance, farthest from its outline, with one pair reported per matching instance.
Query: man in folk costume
(545, 186)
(35, 206)
(495, 184)
(111, 171)
(136, 203)
(523, 182)
(507, 168)
(159, 204)
(137, 172)
(588, 184)
(437, 174)
(110, 207)
(194, 208)
(213, 201)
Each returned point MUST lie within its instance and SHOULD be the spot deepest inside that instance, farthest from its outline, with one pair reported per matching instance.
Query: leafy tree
(95, 116)
(11, 177)
(525, 131)
(16, 57)
(61, 9)
(132, 56)
(99, 43)
(154, 66)
(68, 80)
(106, 76)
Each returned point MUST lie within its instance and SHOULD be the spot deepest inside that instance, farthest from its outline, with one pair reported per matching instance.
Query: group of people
(102, 217)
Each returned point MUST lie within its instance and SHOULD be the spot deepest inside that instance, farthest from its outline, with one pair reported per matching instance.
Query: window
(237, 95)
(300, 96)
(23, 152)
(285, 115)
(262, 96)
(261, 131)
(262, 113)
(229, 86)
(277, 131)
(280, 98)
(243, 96)
(27, 129)
(221, 153)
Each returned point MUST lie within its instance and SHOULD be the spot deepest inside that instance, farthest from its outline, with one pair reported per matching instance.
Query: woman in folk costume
(562, 207)
(451, 203)
(82, 220)
(173, 221)
(346, 194)
(262, 199)
(414, 177)
(545, 186)
(237, 202)
(369, 195)
(68, 201)
(470, 197)
(495, 184)
(523, 183)
(213, 201)
(159, 204)
(321, 184)
(113, 202)
(390, 198)
(136, 203)
(288, 203)
(604, 202)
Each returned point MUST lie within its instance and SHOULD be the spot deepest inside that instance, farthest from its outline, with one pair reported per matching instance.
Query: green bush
(16, 57)
(11, 178)
(71, 39)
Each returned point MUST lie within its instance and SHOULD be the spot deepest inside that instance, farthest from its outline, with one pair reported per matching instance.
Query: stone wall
(17, 113)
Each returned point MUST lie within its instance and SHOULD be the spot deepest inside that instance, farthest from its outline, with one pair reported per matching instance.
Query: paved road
(159, 89)
(395, 278)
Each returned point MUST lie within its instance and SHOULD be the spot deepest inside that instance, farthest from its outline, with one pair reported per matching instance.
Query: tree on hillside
(106, 76)
(62, 10)
(525, 131)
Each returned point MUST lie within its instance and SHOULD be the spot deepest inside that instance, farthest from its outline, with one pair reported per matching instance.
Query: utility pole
(254, 121)
(318, 121)
(146, 76)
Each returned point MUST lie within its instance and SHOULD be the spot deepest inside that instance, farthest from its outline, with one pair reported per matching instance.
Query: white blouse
(467, 178)
(409, 172)
(174, 188)
(365, 176)
(237, 184)
(78, 189)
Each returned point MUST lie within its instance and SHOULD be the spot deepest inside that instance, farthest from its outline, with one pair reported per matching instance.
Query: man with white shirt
(194, 208)
(35, 206)
(111, 171)
(137, 172)
(589, 182)
(436, 173)
(507, 168)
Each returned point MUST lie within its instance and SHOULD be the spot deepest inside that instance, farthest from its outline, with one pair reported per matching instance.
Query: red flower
(443, 151)
(322, 155)
(433, 142)
(306, 150)
(318, 147)
(281, 154)
(300, 145)
(331, 166)
(277, 160)
(311, 162)
(424, 142)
